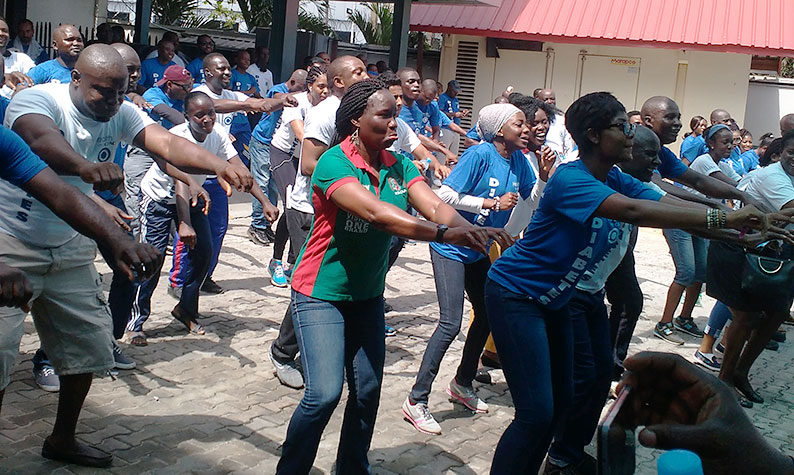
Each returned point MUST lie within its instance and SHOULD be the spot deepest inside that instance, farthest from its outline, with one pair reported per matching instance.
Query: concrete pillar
(399, 34)
(283, 38)
(143, 16)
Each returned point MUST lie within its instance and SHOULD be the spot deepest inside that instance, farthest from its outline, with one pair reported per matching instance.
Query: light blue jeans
(689, 256)
(260, 169)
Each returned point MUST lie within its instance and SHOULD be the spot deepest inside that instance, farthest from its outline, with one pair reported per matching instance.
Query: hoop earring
(354, 138)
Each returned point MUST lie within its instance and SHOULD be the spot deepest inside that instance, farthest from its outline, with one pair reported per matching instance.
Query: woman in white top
(285, 145)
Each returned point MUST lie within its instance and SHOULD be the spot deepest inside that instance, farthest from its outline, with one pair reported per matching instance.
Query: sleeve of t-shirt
(332, 171)
(319, 128)
(778, 189)
(629, 186)
(705, 165)
(31, 101)
(524, 173)
(253, 80)
(289, 114)
(18, 163)
(468, 171)
(575, 193)
(690, 149)
(411, 175)
(445, 121)
(443, 103)
(134, 120)
(472, 133)
(38, 74)
(671, 166)
(435, 119)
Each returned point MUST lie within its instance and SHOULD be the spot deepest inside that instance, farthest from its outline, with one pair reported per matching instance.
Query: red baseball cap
(175, 73)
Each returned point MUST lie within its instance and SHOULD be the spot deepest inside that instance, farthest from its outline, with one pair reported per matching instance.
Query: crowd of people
(535, 222)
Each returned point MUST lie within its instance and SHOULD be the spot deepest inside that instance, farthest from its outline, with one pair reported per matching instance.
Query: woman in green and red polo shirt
(359, 192)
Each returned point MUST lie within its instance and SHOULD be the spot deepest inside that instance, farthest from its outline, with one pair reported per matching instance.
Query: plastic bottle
(679, 462)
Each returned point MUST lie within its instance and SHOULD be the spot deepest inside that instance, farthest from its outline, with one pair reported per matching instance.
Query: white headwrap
(492, 117)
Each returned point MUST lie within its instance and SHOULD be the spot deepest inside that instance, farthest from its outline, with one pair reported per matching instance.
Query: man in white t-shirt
(558, 138)
(17, 64)
(76, 128)
(264, 77)
(318, 135)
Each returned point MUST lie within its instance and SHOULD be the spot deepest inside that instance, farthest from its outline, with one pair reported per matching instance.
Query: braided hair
(530, 105)
(315, 71)
(353, 105)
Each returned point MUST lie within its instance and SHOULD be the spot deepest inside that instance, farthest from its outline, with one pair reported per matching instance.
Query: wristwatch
(442, 228)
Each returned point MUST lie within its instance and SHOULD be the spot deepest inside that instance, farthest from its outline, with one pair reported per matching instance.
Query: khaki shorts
(68, 307)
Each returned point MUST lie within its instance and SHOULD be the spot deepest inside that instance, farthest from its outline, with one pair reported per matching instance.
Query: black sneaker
(688, 326)
(121, 361)
(210, 287)
(772, 345)
(258, 236)
(386, 307)
(270, 234)
(779, 336)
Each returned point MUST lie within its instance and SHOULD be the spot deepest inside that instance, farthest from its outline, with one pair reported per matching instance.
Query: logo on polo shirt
(396, 187)
(104, 155)
(356, 225)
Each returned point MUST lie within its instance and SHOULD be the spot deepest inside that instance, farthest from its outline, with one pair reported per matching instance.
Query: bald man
(75, 128)
(720, 116)
(786, 124)
(662, 116)
(68, 43)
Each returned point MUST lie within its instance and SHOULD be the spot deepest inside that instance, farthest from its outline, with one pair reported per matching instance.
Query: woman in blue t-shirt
(528, 288)
(693, 145)
(484, 187)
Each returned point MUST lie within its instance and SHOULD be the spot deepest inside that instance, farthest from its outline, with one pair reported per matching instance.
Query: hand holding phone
(615, 443)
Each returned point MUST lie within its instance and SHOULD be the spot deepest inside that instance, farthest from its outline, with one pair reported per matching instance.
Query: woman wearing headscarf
(360, 191)
(576, 224)
(484, 187)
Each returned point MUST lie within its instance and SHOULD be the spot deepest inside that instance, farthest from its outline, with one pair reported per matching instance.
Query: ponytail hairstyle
(774, 148)
(353, 105)
(694, 122)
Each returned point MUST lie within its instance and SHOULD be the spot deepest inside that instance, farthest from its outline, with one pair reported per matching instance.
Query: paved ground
(212, 405)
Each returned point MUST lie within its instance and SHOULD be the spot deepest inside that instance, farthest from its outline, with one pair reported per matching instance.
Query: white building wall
(767, 103)
(699, 81)
(75, 12)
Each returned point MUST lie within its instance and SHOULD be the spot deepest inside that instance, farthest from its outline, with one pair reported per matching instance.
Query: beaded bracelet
(496, 204)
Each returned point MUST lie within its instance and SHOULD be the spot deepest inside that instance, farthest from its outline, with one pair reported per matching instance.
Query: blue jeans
(452, 278)
(718, 317)
(689, 256)
(242, 139)
(535, 347)
(592, 375)
(156, 219)
(260, 169)
(336, 339)
(219, 223)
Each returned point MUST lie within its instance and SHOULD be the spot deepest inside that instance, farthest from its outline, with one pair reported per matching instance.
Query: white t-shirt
(319, 124)
(26, 218)
(407, 141)
(559, 140)
(705, 164)
(17, 62)
(284, 137)
(264, 78)
(770, 184)
(224, 120)
(157, 185)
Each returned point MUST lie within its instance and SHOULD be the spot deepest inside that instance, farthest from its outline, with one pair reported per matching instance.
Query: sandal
(189, 322)
(136, 338)
(749, 393)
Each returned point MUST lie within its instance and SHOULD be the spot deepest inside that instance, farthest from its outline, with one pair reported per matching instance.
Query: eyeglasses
(185, 87)
(206, 43)
(628, 128)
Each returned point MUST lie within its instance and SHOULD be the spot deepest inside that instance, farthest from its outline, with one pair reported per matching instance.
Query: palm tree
(260, 13)
(177, 13)
(377, 30)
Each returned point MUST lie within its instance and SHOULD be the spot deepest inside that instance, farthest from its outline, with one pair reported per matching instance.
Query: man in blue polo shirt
(68, 42)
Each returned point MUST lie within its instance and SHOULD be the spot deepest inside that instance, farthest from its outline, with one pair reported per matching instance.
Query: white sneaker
(466, 396)
(419, 415)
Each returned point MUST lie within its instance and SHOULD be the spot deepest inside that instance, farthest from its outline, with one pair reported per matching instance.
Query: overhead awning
(737, 26)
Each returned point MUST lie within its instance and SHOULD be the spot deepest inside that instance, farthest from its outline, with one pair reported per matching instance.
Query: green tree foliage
(376, 26)
(260, 13)
(177, 13)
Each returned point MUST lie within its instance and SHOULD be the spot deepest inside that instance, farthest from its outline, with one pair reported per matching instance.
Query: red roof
(738, 26)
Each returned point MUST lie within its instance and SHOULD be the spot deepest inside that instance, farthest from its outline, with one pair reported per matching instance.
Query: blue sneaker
(277, 277)
(390, 331)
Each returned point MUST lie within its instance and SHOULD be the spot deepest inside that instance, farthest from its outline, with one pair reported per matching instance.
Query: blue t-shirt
(692, 147)
(51, 71)
(152, 71)
(736, 163)
(156, 96)
(4, 101)
(269, 121)
(483, 173)
(242, 82)
(472, 133)
(564, 238)
(750, 160)
(449, 105)
(444, 121)
(18, 163)
(421, 117)
(196, 69)
(671, 166)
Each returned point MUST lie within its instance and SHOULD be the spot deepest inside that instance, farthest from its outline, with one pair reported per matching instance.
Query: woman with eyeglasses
(576, 224)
